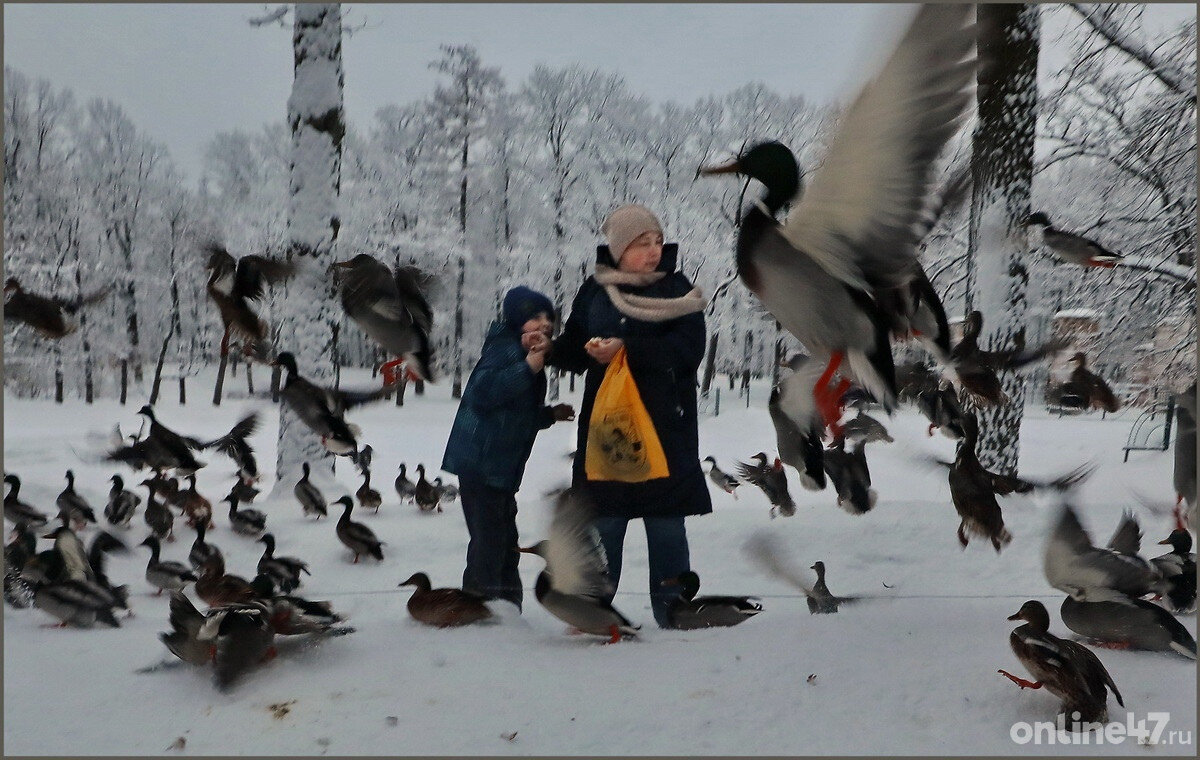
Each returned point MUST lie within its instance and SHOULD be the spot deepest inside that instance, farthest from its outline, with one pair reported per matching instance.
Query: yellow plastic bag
(622, 442)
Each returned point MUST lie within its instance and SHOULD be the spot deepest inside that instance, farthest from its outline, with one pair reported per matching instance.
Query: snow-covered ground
(911, 671)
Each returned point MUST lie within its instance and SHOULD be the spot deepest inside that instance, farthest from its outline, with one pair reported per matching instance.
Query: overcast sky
(185, 72)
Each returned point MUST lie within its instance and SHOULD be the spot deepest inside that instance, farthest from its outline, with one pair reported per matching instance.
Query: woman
(636, 300)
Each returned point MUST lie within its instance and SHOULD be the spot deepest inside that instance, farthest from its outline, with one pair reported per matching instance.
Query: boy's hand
(536, 360)
(603, 349)
(535, 341)
(563, 412)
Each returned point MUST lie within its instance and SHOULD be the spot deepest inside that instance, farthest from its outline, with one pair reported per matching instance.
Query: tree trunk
(249, 378)
(456, 390)
(182, 390)
(1002, 169)
(158, 368)
(124, 381)
(317, 121)
(220, 386)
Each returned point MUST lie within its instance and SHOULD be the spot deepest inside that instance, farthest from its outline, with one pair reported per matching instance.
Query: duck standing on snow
(18, 511)
(851, 237)
(444, 607)
(357, 537)
(447, 492)
(323, 410)
(1069, 247)
(50, 316)
(284, 571)
(232, 285)
(122, 504)
(427, 497)
(197, 508)
(103, 544)
(722, 479)
(689, 611)
(312, 501)
(772, 479)
(248, 522)
(368, 497)
(575, 586)
(392, 310)
(405, 487)
(73, 507)
(1068, 670)
(165, 575)
(201, 550)
(158, 516)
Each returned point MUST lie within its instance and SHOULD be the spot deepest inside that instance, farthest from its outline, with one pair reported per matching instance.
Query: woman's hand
(603, 349)
(563, 412)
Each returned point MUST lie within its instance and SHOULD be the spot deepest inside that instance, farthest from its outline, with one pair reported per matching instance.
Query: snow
(1077, 314)
(912, 670)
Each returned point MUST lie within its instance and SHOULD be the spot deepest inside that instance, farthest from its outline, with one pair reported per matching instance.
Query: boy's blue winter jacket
(500, 413)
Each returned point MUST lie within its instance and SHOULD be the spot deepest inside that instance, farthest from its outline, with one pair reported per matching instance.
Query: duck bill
(670, 582)
(342, 264)
(1015, 616)
(733, 167)
(526, 550)
(1165, 542)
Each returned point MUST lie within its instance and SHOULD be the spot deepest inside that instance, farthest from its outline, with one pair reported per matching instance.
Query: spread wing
(857, 217)
(575, 557)
(255, 272)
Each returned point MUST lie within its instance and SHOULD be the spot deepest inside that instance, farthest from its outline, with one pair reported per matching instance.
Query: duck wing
(1127, 538)
(1073, 564)
(255, 272)
(857, 217)
(575, 558)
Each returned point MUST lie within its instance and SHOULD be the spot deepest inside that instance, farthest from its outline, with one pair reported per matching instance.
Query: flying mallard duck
(851, 238)
(722, 479)
(1069, 247)
(50, 316)
(233, 284)
(392, 310)
(323, 410)
(772, 479)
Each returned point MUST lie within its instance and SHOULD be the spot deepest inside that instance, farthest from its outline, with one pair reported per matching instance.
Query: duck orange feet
(388, 370)
(1020, 681)
(1111, 644)
(614, 634)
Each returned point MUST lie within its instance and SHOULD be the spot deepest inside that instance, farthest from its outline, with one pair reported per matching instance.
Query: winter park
(401, 380)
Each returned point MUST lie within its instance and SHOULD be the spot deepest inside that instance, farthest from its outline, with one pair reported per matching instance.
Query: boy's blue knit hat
(522, 304)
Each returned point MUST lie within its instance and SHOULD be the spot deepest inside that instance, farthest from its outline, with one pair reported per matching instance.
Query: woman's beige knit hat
(624, 225)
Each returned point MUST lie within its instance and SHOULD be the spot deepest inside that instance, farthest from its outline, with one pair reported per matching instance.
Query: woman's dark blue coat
(663, 359)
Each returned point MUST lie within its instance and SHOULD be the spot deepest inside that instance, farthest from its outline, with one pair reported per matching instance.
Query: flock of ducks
(244, 614)
(841, 274)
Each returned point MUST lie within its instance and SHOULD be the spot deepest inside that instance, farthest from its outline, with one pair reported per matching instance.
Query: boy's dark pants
(491, 516)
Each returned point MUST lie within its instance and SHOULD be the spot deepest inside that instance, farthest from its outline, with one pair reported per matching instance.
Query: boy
(499, 416)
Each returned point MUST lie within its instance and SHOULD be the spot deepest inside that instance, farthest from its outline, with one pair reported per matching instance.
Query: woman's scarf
(645, 308)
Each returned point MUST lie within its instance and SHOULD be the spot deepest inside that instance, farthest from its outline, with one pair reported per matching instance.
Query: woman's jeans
(667, 547)
(492, 556)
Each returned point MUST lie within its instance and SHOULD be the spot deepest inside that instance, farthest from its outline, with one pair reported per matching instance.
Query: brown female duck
(444, 607)
(216, 588)
(1069, 670)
